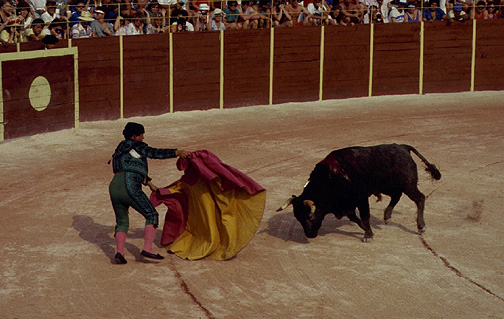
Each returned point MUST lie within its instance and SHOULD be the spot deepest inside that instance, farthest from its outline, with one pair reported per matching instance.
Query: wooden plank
(20, 118)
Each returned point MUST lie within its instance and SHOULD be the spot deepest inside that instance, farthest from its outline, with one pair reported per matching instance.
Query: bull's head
(304, 211)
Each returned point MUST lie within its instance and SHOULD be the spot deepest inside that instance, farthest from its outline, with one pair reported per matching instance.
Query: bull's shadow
(103, 237)
(286, 227)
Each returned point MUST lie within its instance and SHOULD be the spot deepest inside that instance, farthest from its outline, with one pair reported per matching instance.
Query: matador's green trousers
(126, 191)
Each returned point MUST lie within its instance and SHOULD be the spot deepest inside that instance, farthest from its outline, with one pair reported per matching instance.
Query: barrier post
(272, 52)
(473, 54)
(371, 49)
(221, 71)
(420, 75)
(121, 76)
(322, 45)
(170, 53)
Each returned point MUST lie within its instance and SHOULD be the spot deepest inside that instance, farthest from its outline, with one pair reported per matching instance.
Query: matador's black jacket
(130, 158)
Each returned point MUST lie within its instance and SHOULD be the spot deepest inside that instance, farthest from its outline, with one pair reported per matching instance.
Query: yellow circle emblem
(40, 93)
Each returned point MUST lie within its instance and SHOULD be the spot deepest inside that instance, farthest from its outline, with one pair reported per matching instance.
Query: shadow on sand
(286, 227)
(103, 237)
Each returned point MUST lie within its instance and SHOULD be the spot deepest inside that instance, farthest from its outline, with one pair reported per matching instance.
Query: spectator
(120, 25)
(492, 13)
(110, 8)
(434, 12)
(182, 24)
(353, 13)
(38, 7)
(6, 11)
(458, 13)
(58, 29)
(35, 32)
(156, 23)
(50, 14)
(215, 22)
(177, 9)
(373, 16)
(249, 17)
(153, 7)
(201, 19)
(195, 5)
(298, 13)
(100, 27)
(318, 13)
(49, 41)
(232, 15)
(480, 12)
(80, 7)
(397, 12)
(264, 14)
(281, 18)
(385, 9)
(10, 33)
(137, 25)
(24, 15)
(83, 29)
(412, 14)
(337, 17)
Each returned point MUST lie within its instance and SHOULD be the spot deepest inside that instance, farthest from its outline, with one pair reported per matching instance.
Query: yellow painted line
(473, 55)
(37, 54)
(170, 41)
(221, 80)
(121, 77)
(420, 76)
(322, 46)
(272, 58)
(371, 57)
(76, 91)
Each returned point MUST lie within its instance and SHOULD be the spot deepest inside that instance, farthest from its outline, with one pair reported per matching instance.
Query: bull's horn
(309, 203)
(286, 204)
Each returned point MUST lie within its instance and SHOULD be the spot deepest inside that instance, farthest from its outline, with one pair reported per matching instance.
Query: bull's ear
(286, 204)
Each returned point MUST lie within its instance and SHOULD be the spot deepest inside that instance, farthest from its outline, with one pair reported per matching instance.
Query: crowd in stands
(52, 20)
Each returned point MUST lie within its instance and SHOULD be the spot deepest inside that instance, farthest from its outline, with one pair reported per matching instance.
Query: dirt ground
(57, 224)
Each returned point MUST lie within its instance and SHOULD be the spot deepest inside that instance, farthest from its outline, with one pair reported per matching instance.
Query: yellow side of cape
(220, 223)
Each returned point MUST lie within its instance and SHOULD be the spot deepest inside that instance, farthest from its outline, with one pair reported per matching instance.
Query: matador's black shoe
(119, 259)
(151, 255)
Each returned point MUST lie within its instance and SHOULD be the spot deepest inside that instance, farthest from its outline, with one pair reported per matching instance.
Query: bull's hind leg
(394, 199)
(419, 199)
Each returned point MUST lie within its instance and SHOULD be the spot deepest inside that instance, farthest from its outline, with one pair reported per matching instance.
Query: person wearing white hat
(82, 29)
(201, 19)
(215, 22)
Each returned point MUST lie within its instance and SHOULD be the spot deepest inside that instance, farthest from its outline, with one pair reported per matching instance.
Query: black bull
(345, 179)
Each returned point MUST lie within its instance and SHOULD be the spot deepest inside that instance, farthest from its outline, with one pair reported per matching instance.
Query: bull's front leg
(365, 216)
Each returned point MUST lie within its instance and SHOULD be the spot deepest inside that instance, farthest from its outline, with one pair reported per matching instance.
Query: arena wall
(121, 77)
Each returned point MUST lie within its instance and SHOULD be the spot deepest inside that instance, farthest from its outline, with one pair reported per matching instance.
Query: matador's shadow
(103, 237)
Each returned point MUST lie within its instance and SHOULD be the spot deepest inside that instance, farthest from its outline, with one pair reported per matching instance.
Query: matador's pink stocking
(150, 233)
(120, 241)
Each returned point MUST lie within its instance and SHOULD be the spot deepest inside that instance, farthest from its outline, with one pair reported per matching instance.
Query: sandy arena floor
(56, 221)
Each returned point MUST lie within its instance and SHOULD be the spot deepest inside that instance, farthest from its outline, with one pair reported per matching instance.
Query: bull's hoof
(386, 221)
(366, 237)
(421, 230)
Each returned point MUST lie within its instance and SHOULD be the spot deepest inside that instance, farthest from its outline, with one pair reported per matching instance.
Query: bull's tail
(431, 168)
